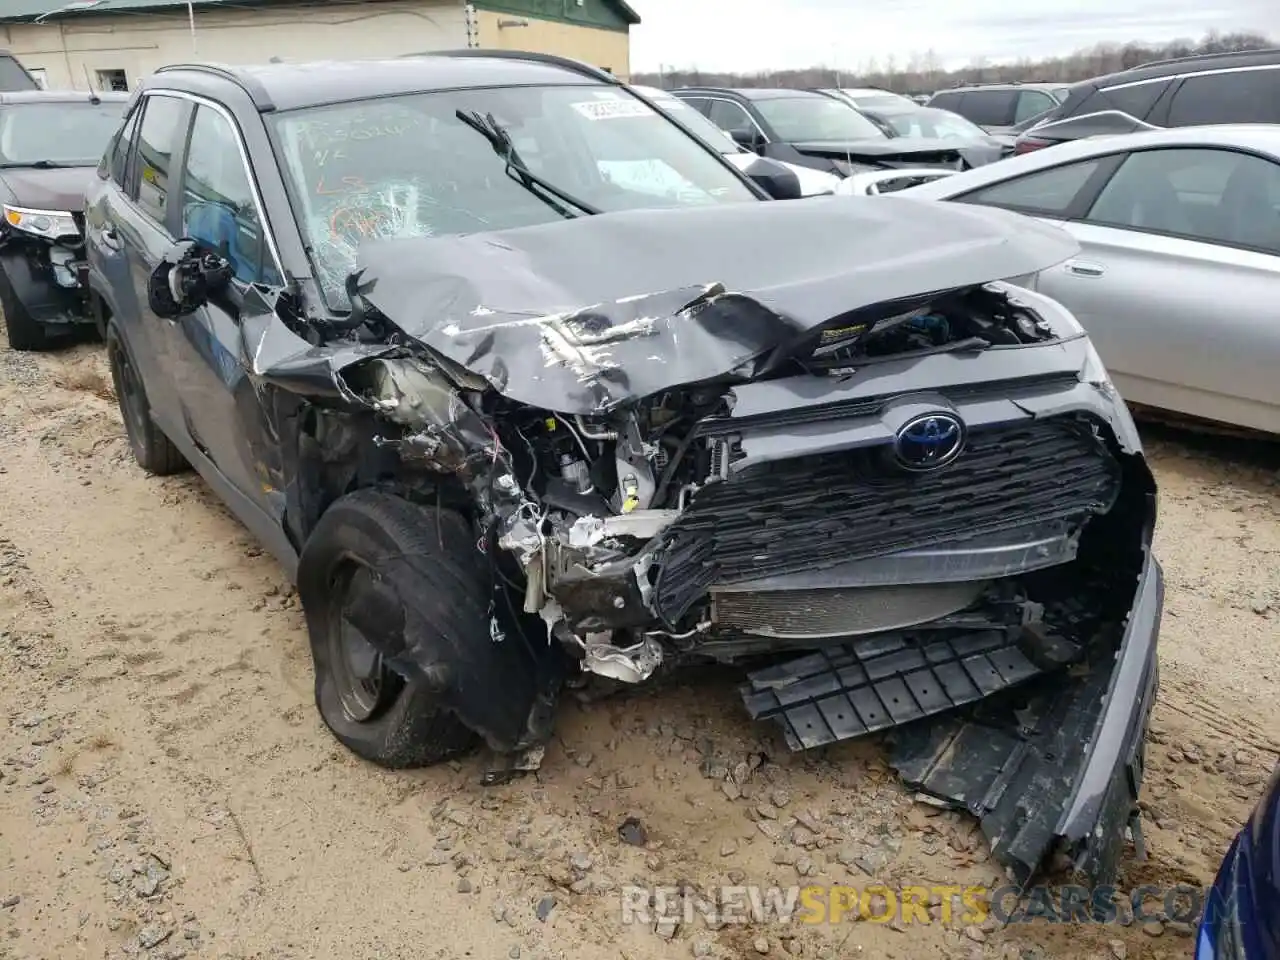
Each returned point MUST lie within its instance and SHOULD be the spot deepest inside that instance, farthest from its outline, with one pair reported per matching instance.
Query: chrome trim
(1193, 73)
(258, 204)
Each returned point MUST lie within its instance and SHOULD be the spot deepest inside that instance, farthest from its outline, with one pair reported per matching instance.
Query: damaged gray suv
(515, 409)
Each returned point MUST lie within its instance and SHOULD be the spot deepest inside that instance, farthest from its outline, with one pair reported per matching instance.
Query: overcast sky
(758, 34)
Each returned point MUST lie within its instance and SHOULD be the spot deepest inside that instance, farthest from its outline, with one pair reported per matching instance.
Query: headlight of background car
(50, 224)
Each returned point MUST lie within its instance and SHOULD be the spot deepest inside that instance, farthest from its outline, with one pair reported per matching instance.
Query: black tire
(417, 570)
(153, 451)
(25, 332)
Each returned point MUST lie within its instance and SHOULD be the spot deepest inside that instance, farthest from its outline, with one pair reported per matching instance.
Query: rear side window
(1048, 193)
(1032, 103)
(989, 107)
(947, 100)
(1246, 96)
(158, 138)
(1137, 100)
(118, 154)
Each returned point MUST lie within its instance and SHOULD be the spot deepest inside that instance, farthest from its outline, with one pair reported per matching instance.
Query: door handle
(1085, 268)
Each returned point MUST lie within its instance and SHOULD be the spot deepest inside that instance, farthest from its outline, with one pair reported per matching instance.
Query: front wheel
(25, 332)
(388, 588)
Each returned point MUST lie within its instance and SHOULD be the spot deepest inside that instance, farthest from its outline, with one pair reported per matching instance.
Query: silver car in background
(1179, 271)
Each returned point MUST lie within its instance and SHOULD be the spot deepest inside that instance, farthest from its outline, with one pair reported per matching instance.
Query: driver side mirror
(778, 181)
(748, 137)
(188, 278)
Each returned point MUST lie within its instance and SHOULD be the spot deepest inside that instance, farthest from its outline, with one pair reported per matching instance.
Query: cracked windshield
(408, 166)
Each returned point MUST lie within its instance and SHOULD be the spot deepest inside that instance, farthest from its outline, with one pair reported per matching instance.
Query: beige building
(112, 44)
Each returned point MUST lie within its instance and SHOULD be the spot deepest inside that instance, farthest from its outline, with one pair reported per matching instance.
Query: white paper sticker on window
(612, 109)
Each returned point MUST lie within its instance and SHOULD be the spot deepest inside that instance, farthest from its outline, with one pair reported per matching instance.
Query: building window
(113, 80)
(38, 75)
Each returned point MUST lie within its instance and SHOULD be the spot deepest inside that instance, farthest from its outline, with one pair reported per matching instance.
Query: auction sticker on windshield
(611, 109)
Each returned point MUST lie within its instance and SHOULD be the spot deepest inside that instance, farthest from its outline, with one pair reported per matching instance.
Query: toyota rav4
(509, 419)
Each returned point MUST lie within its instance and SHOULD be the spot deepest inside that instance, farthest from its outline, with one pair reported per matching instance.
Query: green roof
(14, 11)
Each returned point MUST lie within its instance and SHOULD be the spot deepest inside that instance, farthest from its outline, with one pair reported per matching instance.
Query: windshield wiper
(539, 186)
(36, 164)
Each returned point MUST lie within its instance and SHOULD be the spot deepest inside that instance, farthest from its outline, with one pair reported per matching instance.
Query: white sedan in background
(1178, 278)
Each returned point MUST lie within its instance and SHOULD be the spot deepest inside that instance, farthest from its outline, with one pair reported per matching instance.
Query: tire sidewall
(139, 438)
(23, 330)
(417, 727)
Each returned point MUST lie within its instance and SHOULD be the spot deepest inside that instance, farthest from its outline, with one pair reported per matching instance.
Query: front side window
(1217, 196)
(56, 134)
(218, 208)
(991, 108)
(1048, 193)
(157, 139)
(406, 166)
(817, 118)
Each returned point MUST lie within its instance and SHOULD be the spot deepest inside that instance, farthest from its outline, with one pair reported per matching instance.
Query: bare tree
(923, 74)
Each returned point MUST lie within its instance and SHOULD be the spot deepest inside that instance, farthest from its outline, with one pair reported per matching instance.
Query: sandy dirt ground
(167, 788)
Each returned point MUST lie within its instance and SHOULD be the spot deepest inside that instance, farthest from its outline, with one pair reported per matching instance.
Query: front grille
(839, 612)
(813, 512)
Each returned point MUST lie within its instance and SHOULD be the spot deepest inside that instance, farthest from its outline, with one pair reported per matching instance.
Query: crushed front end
(922, 513)
(43, 264)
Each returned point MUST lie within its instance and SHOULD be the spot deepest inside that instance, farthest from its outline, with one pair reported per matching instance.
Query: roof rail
(1197, 57)
(256, 91)
(577, 66)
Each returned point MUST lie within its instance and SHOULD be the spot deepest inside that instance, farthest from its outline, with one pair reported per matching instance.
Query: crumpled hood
(582, 315)
(918, 151)
(61, 188)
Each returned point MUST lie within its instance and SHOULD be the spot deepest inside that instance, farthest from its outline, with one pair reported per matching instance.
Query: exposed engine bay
(597, 519)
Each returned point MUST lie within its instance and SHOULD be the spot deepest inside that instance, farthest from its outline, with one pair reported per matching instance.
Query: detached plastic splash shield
(880, 682)
(1054, 763)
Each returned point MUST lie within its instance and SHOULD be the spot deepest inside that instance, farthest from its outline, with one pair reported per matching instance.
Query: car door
(218, 209)
(1177, 278)
(128, 231)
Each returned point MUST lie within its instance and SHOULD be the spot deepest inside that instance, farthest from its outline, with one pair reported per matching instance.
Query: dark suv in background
(1211, 88)
(50, 143)
(1001, 107)
(824, 131)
